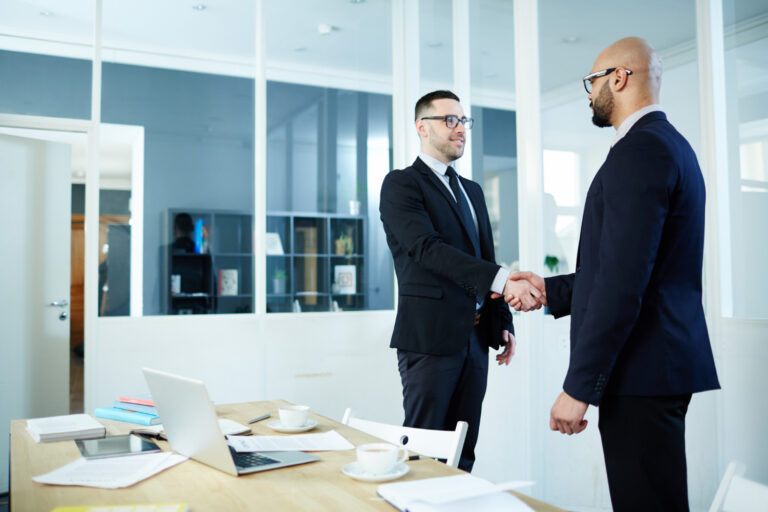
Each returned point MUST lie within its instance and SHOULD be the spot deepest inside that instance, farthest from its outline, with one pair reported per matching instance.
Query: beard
(602, 107)
(446, 147)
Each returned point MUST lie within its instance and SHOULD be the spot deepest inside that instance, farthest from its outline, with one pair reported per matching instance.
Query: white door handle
(59, 303)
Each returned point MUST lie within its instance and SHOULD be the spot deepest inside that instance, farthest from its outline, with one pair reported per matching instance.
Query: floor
(75, 382)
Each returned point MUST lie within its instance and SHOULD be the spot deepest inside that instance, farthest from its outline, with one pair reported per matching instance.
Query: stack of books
(61, 428)
(139, 410)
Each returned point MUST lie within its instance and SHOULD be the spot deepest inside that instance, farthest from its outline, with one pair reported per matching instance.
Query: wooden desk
(314, 486)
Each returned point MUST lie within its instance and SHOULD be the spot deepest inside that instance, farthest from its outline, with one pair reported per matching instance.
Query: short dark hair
(183, 223)
(426, 101)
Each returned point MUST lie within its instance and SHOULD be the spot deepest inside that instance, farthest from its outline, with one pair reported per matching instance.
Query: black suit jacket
(637, 322)
(438, 275)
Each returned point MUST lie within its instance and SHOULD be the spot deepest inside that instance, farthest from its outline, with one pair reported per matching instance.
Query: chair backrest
(737, 494)
(441, 444)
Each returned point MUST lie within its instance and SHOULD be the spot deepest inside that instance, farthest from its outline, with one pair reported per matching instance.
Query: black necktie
(466, 215)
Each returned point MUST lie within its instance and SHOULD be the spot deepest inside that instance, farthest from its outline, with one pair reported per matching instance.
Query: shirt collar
(630, 121)
(433, 163)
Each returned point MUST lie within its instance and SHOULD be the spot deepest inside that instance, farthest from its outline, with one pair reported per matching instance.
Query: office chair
(737, 494)
(441, 444)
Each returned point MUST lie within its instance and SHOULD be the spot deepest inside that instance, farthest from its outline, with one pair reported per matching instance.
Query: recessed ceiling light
(356, 1)
(46, 13)
(300, 49)
(434, 44)
(570, 39)
(324, 29)
(199, 7)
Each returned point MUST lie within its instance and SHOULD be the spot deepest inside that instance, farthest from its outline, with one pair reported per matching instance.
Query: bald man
(639, 343)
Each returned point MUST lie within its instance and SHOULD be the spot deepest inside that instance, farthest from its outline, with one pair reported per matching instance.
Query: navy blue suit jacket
(438, 274)
(635, 300)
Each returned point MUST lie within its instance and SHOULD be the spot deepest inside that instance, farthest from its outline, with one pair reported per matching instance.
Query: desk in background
(314, 486)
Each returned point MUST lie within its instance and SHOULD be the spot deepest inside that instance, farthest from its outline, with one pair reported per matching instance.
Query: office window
(747, 92)
(190, 176)
(494, 167)
(329, 144)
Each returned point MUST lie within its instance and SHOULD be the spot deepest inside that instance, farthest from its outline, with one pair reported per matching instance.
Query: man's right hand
(524, 291)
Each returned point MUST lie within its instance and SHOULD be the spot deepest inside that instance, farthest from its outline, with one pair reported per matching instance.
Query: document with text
(111, 472)
(326, 442)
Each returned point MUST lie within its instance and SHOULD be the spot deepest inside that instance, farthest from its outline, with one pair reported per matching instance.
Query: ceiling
(358, 41)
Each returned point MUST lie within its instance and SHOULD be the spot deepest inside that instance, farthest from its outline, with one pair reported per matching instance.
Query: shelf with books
(209, 270)
(303, 254)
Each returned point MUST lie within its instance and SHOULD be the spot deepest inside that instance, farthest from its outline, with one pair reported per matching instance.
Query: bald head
(637, 55)
(632, 84)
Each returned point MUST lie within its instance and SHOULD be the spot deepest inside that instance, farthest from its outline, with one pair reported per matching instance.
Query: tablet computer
(114, 446)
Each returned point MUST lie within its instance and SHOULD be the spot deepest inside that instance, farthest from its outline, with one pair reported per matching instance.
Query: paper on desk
(111, 472)
(328, 441)
(452, 493)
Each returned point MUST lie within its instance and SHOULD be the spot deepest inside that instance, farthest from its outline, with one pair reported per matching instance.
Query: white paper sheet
(452, 493)
(328, 441)
(111, 472)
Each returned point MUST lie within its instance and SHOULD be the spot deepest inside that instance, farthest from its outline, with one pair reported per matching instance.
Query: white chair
(440, 444)
(737, 494)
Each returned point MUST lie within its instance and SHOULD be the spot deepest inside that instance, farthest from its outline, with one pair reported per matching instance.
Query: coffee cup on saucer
(294, 416)
(380, 458)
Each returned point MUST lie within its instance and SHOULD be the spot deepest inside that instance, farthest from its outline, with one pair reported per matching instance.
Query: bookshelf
(322, 262)
(216, 276)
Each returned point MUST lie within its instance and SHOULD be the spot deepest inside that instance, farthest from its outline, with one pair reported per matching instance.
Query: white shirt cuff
(497, 286)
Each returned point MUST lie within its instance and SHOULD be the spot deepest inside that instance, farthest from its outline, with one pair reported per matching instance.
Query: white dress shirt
(629, 122)
(440, 169)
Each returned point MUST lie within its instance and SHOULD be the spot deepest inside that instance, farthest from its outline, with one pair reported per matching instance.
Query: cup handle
(405, 454)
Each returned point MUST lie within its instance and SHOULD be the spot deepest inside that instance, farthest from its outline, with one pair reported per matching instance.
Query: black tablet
(114, 446)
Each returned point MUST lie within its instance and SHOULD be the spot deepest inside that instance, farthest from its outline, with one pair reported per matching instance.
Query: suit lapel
(435, 181)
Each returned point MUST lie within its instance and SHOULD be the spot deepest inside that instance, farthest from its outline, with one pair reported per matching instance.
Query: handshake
(524, 291)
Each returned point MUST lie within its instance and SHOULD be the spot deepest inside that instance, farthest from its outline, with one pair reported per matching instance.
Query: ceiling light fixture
(570, 40)
(47, 14)
(356, 1)
(300, 49)
(325, 29)
(199, 7)
(434, 44)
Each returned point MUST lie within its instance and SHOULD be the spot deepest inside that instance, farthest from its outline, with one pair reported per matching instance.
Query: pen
(419, 457)
(262, 417)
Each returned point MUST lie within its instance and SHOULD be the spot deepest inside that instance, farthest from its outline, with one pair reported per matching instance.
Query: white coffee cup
(293, 416)
(380, 458)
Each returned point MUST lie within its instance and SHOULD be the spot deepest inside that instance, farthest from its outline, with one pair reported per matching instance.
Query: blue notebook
(113, 413)
(146, 409)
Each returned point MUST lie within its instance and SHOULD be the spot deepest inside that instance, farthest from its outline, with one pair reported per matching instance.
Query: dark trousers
(644, 447)
(439, 391)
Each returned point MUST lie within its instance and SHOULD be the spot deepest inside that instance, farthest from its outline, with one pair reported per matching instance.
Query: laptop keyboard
(247, 460)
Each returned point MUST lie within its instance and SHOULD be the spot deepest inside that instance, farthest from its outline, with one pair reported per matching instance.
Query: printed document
(326, 442)
(111, 472)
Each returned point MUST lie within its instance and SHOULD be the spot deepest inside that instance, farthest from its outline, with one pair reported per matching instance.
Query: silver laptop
(192, 429)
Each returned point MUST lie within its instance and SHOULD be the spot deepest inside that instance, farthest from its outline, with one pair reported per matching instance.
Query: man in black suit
(639, 342)
(439, 233)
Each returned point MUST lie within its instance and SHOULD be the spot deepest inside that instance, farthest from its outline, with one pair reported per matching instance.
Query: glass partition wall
(195, 122)
(329, 144)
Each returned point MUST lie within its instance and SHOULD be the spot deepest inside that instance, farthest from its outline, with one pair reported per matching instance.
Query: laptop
(190, 424)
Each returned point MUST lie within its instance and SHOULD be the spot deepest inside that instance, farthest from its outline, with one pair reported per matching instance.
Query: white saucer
(276, 425)
(354, 470)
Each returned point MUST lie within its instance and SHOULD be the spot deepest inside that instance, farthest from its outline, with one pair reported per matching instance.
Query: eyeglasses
(451, 121)
(597, 74)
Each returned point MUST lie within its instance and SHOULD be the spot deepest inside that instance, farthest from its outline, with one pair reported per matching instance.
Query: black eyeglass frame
(597, 74)
(452, 121)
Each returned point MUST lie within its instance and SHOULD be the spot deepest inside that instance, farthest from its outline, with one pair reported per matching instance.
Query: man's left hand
(508, 339)
(567, 415)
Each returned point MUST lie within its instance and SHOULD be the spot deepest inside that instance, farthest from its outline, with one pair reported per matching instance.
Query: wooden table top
(314, 486)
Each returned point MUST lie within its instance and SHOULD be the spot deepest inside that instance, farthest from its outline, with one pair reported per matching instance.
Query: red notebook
(140, 400)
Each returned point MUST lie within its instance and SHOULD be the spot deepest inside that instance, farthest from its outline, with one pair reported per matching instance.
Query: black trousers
(439, 391)
(644, 448)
